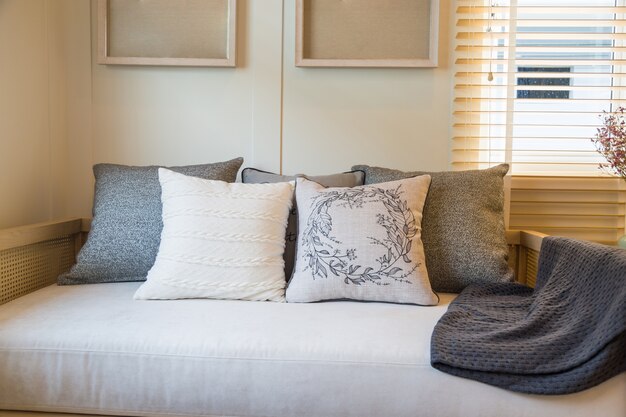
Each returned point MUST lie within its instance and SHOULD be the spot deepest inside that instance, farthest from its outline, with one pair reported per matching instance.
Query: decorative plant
(610, 141)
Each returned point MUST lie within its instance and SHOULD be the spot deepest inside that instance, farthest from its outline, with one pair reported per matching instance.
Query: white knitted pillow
(219, 240)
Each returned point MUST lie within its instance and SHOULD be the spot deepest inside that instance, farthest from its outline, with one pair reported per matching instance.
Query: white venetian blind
(532, 77)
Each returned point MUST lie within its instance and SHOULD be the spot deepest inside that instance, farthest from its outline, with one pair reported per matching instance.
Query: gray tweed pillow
(463, 228)
(126, 227)
(256, 176)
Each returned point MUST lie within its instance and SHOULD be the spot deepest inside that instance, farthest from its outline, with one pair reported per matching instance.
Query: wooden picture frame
(367, 33)
(199, 33)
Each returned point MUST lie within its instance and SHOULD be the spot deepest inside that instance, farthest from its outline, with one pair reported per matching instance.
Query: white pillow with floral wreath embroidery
(361, 243)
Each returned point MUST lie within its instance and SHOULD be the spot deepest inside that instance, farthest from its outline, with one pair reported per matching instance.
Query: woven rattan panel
(28, 268)
(532, 263)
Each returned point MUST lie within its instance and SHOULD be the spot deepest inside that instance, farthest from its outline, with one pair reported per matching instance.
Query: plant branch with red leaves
(610, 141)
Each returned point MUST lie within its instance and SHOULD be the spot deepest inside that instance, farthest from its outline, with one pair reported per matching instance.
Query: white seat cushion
(93, 349)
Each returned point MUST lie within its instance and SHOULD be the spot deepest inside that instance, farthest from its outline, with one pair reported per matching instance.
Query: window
(547, 94)
(531, 79)
(555, 64)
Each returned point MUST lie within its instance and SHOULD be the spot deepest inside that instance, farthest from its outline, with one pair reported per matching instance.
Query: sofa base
(93, 349)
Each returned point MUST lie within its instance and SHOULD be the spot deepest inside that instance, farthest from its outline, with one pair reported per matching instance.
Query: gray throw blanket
(566, 335)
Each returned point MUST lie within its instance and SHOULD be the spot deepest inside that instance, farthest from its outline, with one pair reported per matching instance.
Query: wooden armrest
(85, 225)
(526, 238)
(531, 240)
(524, 251)
(40, 232)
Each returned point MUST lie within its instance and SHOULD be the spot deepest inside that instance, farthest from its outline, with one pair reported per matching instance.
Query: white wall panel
(172, 116)
(336, 117)
(62, 112)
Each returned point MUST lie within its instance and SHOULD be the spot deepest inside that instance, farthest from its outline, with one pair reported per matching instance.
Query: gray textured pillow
(126, 227)
(361, 243)
(255, 176)
(463, 227)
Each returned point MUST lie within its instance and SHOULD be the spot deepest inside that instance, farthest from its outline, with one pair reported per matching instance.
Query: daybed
(92, 349)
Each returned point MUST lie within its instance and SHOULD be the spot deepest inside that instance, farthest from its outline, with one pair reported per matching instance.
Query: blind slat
(614, 102)
(541, 62)
(542, 35)
(478, 50)
(550, 87)
(481, 23)
(482, 75)
(586, 10)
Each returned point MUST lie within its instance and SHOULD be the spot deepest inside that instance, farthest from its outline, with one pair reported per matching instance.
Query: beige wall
(328, 119)
(32, 149)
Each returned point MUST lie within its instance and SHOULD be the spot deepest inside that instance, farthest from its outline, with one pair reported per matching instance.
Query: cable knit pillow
(361, 243)
(464, 234)
(219, 240)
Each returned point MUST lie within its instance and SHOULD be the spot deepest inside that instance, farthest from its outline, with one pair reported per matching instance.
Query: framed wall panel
(167, 32)
(367, 33)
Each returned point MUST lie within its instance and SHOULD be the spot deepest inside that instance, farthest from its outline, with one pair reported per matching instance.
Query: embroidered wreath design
(319, 245)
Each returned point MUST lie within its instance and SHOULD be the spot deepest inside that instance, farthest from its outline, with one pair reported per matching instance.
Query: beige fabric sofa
(92, 349)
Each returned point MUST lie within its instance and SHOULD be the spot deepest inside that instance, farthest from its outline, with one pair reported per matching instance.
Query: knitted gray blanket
(566, 335)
